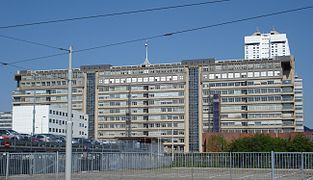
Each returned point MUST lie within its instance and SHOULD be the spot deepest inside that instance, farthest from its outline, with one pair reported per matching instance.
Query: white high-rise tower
(268, 45)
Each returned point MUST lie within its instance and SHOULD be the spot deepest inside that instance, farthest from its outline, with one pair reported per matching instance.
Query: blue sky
(223, 42)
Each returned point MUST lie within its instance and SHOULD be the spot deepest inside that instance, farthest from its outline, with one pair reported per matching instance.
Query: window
(263, 73)
(277, 73)
(270, 73)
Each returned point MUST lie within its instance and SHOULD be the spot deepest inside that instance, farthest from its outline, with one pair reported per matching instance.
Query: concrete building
(267, 45)
(175, 102)
(298, 98)
(48, 119)
(5, 120)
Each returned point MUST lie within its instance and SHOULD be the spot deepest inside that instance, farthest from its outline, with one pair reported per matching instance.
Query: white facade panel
(48, 119)
(268, 45)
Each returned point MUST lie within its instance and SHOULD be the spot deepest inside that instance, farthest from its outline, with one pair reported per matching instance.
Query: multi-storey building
(176, 102)
(45, 87)
(48, 119)
(298, 90)
(268, 45)
(5, 120)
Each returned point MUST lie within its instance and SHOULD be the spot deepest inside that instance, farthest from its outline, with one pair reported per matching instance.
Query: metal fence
(237, 165)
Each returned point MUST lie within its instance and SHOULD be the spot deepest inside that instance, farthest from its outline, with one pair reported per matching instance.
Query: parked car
(81, 142)
(45, 138)
(13, 135)
(4, 140)
(60, 138)
(26, 137)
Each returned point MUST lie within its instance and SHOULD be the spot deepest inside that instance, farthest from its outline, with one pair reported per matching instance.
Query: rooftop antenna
(274, 31)
(146, 62)
(257, 29)
(257, 33)
(273, 28)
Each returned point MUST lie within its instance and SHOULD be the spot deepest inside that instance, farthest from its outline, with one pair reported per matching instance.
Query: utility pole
(68, 162)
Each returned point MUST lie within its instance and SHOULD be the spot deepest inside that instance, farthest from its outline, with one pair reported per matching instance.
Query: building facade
(50, 119)
(176, 102)
(267, 45)
(298, 98)
(5, 120)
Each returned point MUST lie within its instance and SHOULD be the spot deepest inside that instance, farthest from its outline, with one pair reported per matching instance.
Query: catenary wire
(24, 68)
(38, 58)
(112, 14)
(173, 33)
(12, 65)
(31, 42)
(196, 29)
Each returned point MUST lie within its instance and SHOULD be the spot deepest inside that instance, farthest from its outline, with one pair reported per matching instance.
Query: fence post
(230, 165)
(192, 164)
(302, 166)
(57, 166)
(273, 164)
(7, 167)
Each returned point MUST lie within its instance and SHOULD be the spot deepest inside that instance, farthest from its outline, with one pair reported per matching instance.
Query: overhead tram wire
(12, 65)
(32, 42)
(38, 58)
(24, 68)
(112, 14)
(174, 33)
(241, 20)
(119, 43)
(198, 28)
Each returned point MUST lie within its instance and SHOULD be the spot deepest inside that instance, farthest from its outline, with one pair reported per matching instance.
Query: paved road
(179, 174)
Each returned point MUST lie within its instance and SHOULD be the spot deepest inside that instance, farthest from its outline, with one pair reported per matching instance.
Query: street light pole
(68, 162)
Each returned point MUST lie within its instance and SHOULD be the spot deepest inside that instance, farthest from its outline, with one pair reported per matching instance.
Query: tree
(216, 143)
(300, 144)
(265, 143)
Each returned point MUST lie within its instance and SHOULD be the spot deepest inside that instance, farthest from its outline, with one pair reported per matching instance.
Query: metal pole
(230, 165)
(34, 105)
(68, 162)
(7, 168)
(302, 166)
(273, 164)
(57, 166)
